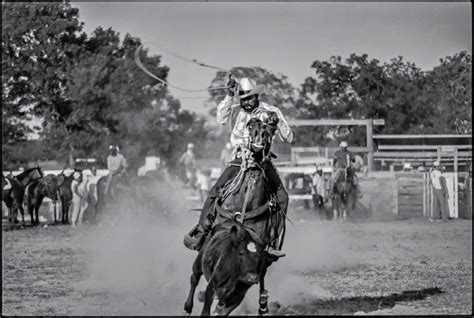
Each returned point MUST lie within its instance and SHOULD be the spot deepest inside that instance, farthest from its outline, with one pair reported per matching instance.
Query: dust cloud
(140, 262)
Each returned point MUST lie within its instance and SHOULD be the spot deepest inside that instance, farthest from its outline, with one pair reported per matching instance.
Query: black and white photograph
(236, 158)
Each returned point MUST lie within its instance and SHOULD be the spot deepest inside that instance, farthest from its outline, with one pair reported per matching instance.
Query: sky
(283, 37)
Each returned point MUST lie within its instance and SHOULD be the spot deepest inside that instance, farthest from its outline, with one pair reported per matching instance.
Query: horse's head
(261, 133)
(247, 255)
(238, 268)
(30, 175)
(38, 172)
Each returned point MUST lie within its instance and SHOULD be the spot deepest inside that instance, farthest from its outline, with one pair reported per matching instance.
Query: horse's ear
(233, 235)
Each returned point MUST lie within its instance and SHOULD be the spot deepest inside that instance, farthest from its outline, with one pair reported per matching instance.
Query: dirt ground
(138, 266)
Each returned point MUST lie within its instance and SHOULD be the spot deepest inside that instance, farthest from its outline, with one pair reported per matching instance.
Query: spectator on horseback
(188, 161)
(250, 107)
(343, 160)
(116, 164)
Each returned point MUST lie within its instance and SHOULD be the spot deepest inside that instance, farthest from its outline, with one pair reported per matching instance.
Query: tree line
(87, 92)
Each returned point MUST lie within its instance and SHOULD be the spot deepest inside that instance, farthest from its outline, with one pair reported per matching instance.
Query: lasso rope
(144, 69)
(237, 180)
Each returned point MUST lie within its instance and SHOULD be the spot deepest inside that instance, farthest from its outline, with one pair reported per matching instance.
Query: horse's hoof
(186, 314)
(201, 296)
(263, 312)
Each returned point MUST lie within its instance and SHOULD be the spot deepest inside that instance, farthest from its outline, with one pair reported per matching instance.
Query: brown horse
(345, 196)
(13, 197)
(252, 203)
(56, 188)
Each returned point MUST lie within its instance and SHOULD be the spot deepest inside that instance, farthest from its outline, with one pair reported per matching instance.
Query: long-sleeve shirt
(319, 184)
(240, 135)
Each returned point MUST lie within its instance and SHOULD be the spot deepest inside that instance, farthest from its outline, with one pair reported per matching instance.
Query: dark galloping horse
(345, 196)
(13, 197)
(53, 187)
(251, 203)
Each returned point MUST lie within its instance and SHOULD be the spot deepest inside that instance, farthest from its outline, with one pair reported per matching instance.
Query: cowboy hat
(190, 145)
(343, 144)
(248, 87)
(436, 163)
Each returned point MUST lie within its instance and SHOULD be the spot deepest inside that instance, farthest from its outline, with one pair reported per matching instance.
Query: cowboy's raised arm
(223, 109)
(286, 134)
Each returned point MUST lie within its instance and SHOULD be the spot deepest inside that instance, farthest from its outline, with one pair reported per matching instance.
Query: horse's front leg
(55, 219)
(263, 299)
(195, 277)
(22, 211)
(66, 205)
(208, 299)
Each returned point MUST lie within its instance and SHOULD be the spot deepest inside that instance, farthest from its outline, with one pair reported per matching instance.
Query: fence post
(370, 144)
(424, 195)
(455, 178)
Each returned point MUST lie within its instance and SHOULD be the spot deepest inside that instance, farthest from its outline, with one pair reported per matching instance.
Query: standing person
(116, 164)
(319, 192)
(249, 107)
(440, 193)
(79, 203)
(226, 155)
(188, 161)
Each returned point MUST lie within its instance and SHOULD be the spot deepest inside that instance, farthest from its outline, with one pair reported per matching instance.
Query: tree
(114, 102)
(39, 40)
(88, 91)
(449, 90)
(398, 92)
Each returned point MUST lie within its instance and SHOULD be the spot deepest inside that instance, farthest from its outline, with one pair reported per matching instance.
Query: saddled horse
(56, 188)
(345, 195)
(249, 200)
(13, 197)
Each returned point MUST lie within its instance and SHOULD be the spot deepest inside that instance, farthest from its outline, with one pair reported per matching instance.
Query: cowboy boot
(274, 252)
(195, 238)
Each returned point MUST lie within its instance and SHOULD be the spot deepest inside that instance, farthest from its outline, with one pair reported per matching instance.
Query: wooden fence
(415, 195)
(411, 193)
